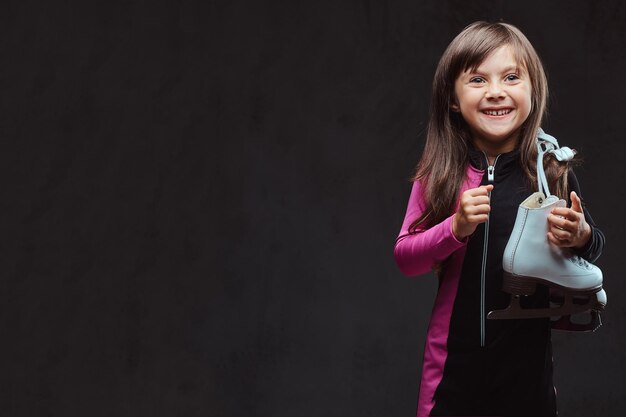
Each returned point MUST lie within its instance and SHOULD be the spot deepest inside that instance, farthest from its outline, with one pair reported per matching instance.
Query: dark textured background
(199, 201)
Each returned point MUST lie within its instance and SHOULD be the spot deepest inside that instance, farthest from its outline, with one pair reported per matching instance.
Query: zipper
(491, 171)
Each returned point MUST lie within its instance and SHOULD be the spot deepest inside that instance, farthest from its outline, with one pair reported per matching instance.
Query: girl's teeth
(497, 112)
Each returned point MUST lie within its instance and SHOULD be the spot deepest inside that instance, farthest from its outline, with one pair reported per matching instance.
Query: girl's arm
(417, 253)
(594, 246)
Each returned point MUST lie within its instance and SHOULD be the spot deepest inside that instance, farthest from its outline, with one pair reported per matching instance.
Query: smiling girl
(478, 165)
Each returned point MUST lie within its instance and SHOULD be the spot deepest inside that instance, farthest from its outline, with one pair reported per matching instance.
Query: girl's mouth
(502, 112)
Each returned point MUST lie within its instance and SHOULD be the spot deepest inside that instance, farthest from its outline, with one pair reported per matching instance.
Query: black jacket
(500, 367)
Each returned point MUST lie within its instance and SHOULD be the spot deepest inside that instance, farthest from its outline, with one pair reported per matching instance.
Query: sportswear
(474, 366)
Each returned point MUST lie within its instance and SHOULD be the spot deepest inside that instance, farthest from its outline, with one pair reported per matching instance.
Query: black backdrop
(200, 199)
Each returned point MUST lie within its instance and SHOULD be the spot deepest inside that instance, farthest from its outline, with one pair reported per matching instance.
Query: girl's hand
(568, 228)
(473, 210)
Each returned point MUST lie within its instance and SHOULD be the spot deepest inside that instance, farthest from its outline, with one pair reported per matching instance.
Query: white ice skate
(530, 259)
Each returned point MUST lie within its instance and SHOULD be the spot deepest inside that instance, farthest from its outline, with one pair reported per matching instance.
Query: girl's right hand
(473, 210)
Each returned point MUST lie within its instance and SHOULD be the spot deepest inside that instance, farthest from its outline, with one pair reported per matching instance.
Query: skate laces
(548, 144)
(577, 260)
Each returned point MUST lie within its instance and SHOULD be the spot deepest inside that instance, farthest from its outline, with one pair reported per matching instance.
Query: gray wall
(200, 199)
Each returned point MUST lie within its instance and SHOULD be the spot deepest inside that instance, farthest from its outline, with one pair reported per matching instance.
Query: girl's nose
(495, 90)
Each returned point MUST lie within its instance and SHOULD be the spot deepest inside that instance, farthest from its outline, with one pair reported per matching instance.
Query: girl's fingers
(577, 205)
(562, 223)
(479, 209)
(565, 212)
(476, 201)
(554, 240)
(478, 218)
(482, 190)
(561, 234)
(563, 243)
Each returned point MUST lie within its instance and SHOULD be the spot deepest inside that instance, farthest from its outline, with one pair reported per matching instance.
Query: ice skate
(530, 259)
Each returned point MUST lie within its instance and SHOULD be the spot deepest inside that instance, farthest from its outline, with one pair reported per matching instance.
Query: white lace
(549, 144)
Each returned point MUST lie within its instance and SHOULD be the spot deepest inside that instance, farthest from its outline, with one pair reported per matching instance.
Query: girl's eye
(476, 80)
(512, 77)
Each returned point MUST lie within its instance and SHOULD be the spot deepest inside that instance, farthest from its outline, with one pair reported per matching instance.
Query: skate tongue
(549, 200)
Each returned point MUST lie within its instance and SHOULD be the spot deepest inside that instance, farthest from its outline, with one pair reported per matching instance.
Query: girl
(479, 164)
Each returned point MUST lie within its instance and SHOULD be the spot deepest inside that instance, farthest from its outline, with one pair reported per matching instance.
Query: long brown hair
(443, 164)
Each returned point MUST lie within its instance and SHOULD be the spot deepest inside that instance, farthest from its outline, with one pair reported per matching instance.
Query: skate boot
(530, 259)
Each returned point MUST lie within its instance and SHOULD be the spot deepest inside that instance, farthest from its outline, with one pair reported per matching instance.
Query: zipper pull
(490, 173)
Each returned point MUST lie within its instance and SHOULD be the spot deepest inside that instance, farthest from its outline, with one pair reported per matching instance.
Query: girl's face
(495, 101)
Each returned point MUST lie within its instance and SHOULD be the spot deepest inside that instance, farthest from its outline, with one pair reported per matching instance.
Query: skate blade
(590, 301)
(571, 304)
(512, 314)
(515, 311)
(565, 323)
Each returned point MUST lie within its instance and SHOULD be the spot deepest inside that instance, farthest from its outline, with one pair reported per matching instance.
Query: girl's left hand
(568, 228)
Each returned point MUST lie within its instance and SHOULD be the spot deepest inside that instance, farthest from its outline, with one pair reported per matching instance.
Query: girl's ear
(454, 103)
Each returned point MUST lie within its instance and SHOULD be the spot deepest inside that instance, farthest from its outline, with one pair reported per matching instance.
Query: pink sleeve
(417, 253)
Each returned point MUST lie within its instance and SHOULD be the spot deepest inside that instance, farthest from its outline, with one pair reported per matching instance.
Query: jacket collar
(505, 161)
